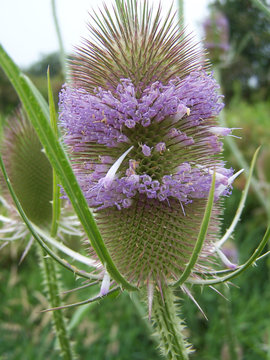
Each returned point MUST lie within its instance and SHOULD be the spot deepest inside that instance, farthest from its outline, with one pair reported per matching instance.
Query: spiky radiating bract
(132, 42)
(139, 121)
(28, 169)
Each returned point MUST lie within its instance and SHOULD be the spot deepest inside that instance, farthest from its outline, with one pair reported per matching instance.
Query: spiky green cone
(28, 168)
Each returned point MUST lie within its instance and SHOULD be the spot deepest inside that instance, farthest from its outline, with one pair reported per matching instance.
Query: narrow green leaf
(37, 113)
(63, 248)
(56, 205)
(201, 236)
(111, 293)
(241, 203)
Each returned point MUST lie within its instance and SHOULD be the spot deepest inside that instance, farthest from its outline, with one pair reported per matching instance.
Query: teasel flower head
(216, 30)
(31, 176)
(28, 168)
(139, 122)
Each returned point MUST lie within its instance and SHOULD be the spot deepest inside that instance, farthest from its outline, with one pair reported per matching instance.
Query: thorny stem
(169, 326)
(52, 287)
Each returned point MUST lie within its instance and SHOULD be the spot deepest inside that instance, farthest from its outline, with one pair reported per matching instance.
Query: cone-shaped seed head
(28, 168)
(139, 89)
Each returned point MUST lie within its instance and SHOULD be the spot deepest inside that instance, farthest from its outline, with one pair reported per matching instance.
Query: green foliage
(40, 67)
(37, 72)
(253, 119)
(8, 97)
(109, 330)
(249, 38)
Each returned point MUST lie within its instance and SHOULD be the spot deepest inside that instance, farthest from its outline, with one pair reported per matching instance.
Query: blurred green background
(113, 328)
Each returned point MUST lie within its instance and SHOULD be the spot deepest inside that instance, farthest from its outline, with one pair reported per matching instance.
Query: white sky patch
(27, 31)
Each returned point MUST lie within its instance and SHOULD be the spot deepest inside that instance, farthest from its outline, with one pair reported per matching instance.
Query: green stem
(169, 326)
(181, 14)
(60, 40)
(52, 286)
(228, 323)
(260, 5)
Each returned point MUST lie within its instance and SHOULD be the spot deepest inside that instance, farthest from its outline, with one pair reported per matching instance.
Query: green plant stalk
(52, 287)
(56, 205)
(60, 40)
(226, 307)
(181, 13)
(262, 7)
(240, 158)
(169, 326)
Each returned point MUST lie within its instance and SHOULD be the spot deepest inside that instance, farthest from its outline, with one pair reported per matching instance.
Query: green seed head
(28, 169)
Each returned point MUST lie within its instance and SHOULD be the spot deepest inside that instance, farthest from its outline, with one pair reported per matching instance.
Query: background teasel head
(216, 30)
(31, 176)
(139, 121)
(28, 168)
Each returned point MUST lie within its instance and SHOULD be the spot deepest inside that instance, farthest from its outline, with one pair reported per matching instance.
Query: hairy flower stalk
(139, 121)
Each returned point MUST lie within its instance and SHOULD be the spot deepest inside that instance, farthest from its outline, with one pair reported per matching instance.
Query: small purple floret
(146, 150)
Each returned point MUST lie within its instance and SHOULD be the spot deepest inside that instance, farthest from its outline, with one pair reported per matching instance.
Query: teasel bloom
(216, 30)
(139, 119)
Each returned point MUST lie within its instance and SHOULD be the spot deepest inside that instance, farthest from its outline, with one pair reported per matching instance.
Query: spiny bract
(139, 123)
